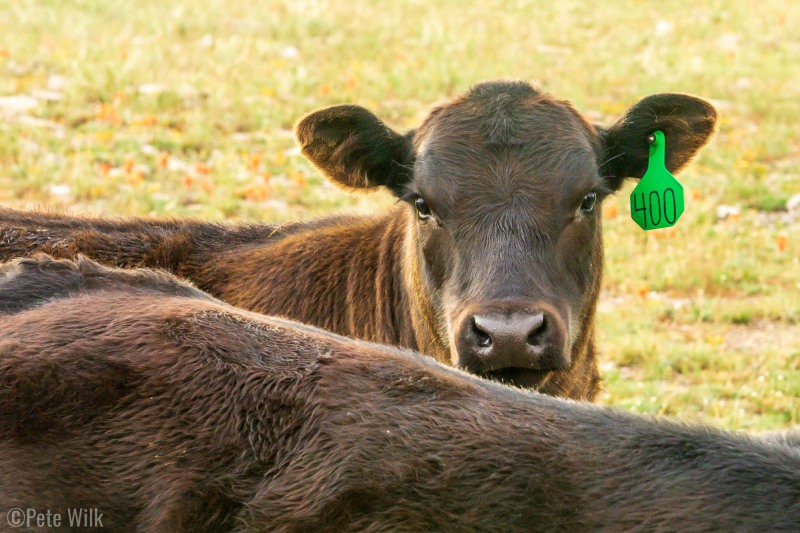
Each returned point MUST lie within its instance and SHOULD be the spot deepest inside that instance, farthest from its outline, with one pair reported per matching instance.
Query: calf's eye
(423, 211)
(587, 205)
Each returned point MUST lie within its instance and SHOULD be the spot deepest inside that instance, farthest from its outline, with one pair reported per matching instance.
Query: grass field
(185, 109)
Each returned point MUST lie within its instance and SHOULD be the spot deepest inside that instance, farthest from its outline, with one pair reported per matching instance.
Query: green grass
(186, 109)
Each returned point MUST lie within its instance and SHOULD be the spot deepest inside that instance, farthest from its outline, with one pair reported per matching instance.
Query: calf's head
(502, 189)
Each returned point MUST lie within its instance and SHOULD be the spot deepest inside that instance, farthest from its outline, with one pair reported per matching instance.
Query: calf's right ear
(355, 149)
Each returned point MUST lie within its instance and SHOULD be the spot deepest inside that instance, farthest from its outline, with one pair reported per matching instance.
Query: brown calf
(136, 395)
(491, 262)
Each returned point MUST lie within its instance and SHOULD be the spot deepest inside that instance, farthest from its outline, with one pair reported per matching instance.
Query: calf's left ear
(688, 124)
(355, 149)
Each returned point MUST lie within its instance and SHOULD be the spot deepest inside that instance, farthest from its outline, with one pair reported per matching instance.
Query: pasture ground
(185, 109)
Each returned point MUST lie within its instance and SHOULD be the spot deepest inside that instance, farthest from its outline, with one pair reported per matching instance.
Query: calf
(134, 396)
(491, 261)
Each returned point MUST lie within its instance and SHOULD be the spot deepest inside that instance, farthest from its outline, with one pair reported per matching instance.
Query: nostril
(483, 339)
(535, 337)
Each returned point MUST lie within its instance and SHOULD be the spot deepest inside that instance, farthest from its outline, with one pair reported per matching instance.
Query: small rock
(47, 96)
(61, 191)
(207, 41)
(19, 103)
(41, 123)
(293, 152)
(728, 211)
(664, 27)
(290, 52)
(728, 42)
(176, 165)
(56, 83)
(793, 203)
(151, 88)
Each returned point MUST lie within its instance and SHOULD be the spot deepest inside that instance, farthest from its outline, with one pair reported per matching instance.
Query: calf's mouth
(524, 378)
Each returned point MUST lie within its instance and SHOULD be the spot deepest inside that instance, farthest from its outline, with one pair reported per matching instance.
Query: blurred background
(112, 107)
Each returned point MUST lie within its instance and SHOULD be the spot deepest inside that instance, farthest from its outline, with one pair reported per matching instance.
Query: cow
(149, 406)
(491, 260)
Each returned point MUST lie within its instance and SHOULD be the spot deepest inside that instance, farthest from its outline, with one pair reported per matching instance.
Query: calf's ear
(688, 124)
(355, 149)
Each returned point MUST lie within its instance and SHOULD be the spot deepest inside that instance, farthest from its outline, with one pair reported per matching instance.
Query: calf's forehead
(502, 116)
(537, 146)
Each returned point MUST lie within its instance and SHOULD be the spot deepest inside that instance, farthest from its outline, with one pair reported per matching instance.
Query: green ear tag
(657, 201)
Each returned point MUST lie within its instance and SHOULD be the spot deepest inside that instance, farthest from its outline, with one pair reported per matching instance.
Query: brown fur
(167, 410)
(504, 168)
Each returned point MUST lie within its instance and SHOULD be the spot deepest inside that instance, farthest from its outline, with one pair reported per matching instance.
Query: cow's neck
(343, 274)
(582, 380)
(376, 303)
(429, 338)
(385, 300)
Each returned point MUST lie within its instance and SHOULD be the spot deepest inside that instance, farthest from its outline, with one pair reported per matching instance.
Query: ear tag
(657, 201)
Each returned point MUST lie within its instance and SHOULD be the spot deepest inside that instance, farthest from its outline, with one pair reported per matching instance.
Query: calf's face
(503, 188)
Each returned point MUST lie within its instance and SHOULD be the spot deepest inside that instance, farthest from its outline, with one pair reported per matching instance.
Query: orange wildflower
(149, 120)
(781, 242)
(107, 113)
(254, 192)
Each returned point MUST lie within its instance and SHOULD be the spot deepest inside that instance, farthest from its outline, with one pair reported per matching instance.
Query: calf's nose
(491, 340)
